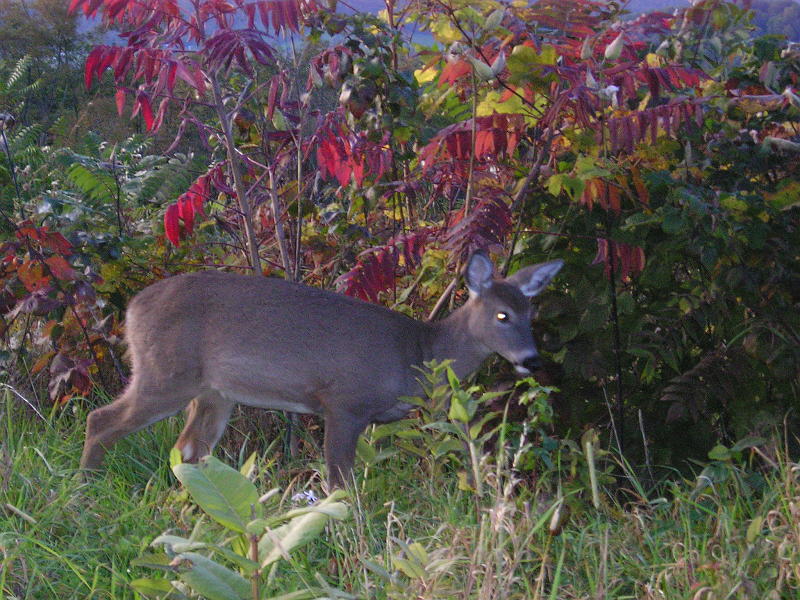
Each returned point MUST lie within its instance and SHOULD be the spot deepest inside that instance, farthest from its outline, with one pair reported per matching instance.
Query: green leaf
(418, 552)
(573, 186)
(152, 560)
(523, 58)
(450, 428)
(443, 31)
(719, 452)
(247, 467)
(482, 70)
(221, 491)
(458, 411)
(153, 588)
(177, 545)
(455, 384)
(365, 452)
(733, 203)
(445, 447)
(409, 568)
(748, 442)
(212, 580)
(673, 223)
(754, 529)
(276, 543)
(494, 19)
(476, 428)
(788, 196)
(279, 121)
(175, 457)
(586, 167)
(310, 594)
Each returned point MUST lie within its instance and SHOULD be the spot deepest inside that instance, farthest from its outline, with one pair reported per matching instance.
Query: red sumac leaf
(120, 98)
(454, 71)
(186, 213)
(172, 227)
(147, 110)
(91, 64)
(53, 240)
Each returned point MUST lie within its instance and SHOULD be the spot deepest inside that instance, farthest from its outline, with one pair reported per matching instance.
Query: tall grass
(417, 530)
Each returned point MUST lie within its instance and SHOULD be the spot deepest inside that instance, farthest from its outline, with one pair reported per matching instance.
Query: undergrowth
(417, 527)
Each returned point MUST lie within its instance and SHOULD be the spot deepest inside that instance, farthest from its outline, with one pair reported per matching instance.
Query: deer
(208, 340)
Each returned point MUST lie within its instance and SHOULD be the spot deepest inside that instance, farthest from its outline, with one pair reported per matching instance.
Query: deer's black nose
(532, 363)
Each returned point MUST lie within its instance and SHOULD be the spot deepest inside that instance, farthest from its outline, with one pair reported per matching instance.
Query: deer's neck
(451, 339)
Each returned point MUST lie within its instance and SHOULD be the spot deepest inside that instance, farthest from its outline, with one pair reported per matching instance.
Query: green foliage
(735, 525)
(231, 499)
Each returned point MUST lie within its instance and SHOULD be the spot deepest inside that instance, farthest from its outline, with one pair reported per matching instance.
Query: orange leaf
(31, 274)
(43, 361)
(60, 268)
(641, 190)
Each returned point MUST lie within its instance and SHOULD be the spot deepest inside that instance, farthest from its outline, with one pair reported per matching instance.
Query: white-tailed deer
(209, 340)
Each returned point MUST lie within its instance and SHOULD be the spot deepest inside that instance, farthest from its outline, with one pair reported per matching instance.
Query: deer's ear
(532, 280)
(478, 273)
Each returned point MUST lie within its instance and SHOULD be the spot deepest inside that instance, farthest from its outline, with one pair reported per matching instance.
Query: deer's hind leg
(206, 419)
(140, 405)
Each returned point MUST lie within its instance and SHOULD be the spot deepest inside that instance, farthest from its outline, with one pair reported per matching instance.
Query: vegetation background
(654, 456)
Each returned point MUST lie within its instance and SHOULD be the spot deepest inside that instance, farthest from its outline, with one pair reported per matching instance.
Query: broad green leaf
(482, 70)
(754, 529)
(303, 528)
(748, 442)
(494, 19)
(365, 452)
(476, 428)
(279, 121)
(492, 103)
(175, 458)
(444, 32)
(673, 223)
(153, 588)
(614, 49)
(733, 203)
(418, 552)
(573, 186)
(177, 545)
(152, 560)
(445, 447)
(310, 594)
(455, 384)
(458, 412)
(719, 452)
(212, 580)
(221, 491)
(586, 167)
(377, 569)
(524, 63)
(410, 568)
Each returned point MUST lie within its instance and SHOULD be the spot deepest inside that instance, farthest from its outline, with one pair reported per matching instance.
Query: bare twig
(238, 182)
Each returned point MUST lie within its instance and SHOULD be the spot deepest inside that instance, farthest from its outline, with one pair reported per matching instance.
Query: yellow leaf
(653, 60)
(426, 75)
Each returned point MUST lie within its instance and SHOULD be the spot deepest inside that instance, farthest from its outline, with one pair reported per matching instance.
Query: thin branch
(241, 196)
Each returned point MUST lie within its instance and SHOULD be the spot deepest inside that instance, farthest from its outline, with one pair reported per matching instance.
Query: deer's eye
(502, 317)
